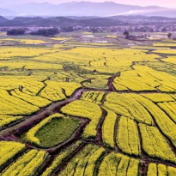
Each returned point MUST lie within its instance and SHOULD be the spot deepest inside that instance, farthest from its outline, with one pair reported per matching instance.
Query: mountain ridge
(84, 21)
(85, 8)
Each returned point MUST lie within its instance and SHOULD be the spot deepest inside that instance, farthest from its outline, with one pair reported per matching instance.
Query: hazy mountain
(87, 9)
(31, 9)
(3, 20)
(6, 12)
(140, 18)
(61, 22)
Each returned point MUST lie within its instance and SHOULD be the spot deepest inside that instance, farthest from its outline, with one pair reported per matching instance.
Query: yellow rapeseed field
(86, 108)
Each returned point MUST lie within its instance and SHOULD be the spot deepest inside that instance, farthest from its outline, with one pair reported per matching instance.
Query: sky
(164, 3)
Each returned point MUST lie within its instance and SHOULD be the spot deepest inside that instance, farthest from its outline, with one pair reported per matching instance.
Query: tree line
(43, 32)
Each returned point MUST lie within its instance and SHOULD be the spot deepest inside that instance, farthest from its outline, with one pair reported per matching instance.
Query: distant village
(135, 32)
(130, 28)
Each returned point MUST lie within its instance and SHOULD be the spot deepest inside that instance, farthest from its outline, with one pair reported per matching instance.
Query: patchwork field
(87, 109)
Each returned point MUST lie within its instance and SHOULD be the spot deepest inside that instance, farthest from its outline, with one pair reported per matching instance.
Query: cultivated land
(84, 104)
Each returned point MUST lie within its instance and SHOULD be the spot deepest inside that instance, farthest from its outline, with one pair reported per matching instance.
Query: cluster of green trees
(16, 32)
(44, 32)
(127, 34)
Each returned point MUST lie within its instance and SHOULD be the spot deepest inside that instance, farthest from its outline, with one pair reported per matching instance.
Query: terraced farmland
(87, 111)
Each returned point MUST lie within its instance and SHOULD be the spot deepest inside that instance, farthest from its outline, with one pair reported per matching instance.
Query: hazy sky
(166, 3)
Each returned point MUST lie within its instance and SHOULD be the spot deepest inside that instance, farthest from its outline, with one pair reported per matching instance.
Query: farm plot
(28, 164)
(108, 128)
(155, 169)
(22, 52)
(117, 164)
(11, 105)
(85, 109)
(25, 41)
(125, 105)
(128, 137)
(53, 130)
(163, 51)
(144, 79)
(84, 162)
(9, 150)
(94, 97)
(128, 127)
(60, 158)
(56, 91)
(170, 60)
(164, 44)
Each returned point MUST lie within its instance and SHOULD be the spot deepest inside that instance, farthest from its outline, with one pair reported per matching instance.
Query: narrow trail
(99, 127)
(111, 80)
(116, 133)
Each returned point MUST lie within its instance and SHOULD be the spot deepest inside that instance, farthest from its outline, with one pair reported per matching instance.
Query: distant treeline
(46, 32)
(43, 32)
(16, 32)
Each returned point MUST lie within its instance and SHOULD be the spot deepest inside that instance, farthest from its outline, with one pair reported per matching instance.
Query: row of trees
(43, 32)
(16, 32)
(46, 32)
(127, 34)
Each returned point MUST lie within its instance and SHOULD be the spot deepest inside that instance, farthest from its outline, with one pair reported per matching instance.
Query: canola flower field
(101, 110)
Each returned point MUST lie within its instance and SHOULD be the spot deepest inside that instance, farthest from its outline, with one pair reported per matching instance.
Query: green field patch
(57, 131)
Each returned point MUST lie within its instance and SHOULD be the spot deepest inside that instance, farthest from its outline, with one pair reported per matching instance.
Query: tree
(169, 35)
(16, 32)
(163, 29)
(126, 33)
(68, 29)
(46, 32)
(94, 30)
